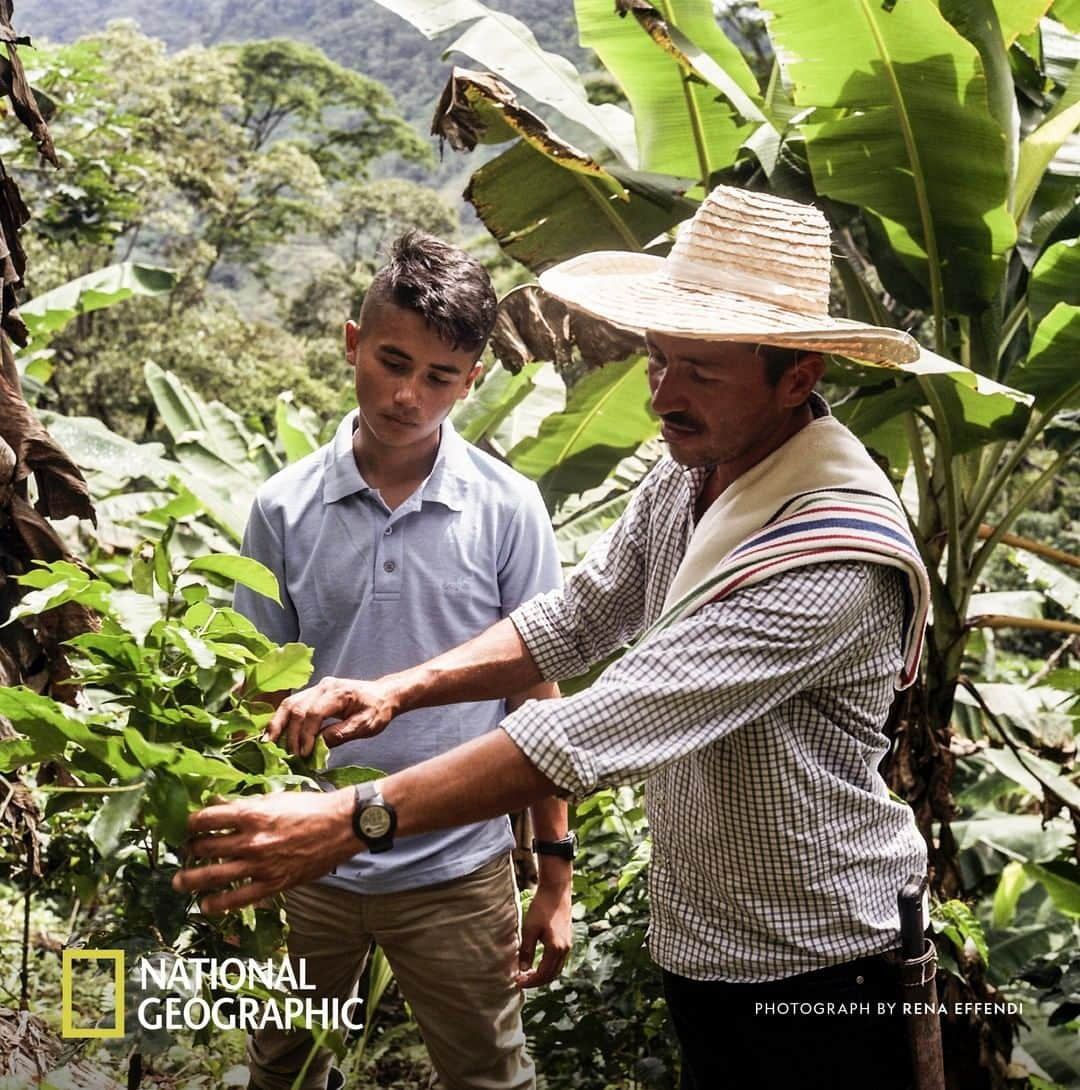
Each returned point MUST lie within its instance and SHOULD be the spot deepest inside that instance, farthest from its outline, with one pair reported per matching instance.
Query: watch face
(375, 822)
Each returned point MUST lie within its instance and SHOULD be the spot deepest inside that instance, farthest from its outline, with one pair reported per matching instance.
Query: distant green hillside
(356, 33)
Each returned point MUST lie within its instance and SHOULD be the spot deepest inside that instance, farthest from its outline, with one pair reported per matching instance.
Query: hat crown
(757, 245)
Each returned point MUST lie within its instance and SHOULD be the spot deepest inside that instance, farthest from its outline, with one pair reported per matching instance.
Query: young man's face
(407, 378)
(715, 402)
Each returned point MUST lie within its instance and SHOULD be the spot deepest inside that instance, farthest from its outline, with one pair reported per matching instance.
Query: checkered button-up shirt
(757, 725)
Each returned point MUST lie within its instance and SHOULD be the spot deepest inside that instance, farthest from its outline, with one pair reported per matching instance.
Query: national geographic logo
(82, 972)
(175, 993)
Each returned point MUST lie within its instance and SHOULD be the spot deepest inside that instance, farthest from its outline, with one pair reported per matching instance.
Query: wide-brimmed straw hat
(747, 267)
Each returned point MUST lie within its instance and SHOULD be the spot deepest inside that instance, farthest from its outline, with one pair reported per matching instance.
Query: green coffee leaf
(286, 667)
(240, 569)
(169, 802)
(198, 650)
(196, 592)
(16, 752)
(142, 568)
(47, 574)
(116, 816)
(347, 775)
(162, 569)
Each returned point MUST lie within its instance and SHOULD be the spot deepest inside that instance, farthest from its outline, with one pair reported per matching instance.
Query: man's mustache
(681, 420)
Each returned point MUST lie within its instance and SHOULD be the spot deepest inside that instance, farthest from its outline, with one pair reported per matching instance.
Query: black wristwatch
(562, 849)
(374, 819)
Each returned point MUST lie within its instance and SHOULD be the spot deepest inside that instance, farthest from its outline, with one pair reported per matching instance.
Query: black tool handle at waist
(912, 924)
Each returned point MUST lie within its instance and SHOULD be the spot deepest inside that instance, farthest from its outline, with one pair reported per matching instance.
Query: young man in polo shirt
(393, 543)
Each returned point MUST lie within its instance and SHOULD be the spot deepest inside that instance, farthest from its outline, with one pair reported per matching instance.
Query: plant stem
(692, 110)
(1059, 556)
(989, 457)
(1037, 624)
(1009, 328)
(922, 471)
(1039, 420)
(918, 179)
(600, 199)
(954, 579)
(92, 790)
(1017, 509)
(24, 972)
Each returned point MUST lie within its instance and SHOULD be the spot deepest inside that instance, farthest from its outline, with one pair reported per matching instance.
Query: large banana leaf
(587, 515)
(507, 47)
(481, 413)
(1041, 148)
(902, 129)
(977, 409)
(684, 127)
(213, 426)
(222, 462)
(1067, 12)
(114, 460)
(547, 397)
(607, 417)
(52, 310)
(1052, 369)
(543, 200)
(1019, 17)
(541, 213)
(1055, 279)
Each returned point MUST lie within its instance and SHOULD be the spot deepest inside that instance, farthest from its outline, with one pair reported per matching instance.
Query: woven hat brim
(632, 291)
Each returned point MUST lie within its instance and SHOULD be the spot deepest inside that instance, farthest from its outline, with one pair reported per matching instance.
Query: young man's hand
(547, 922)
(364, 708)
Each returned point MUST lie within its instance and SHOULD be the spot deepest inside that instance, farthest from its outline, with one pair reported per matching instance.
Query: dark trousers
(743, 1037)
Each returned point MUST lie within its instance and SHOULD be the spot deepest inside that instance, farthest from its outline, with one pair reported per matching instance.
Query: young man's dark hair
(448, 288)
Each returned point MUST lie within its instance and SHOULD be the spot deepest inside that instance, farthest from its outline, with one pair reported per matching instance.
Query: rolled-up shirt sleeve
(698, 680)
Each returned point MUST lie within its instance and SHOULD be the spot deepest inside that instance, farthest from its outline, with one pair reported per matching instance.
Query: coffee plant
(163, 714)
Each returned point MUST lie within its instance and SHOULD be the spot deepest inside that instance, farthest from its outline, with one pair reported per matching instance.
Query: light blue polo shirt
(374, 591)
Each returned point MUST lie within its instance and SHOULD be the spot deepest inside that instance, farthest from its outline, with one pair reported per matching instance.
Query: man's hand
(268, 843)
(364, 708)
(547, 922)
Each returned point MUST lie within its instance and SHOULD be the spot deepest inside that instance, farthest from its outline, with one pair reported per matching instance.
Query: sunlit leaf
(240, 569)
(116, 815)
(52, 310)
(287, 667)
(884, 92)
(607, 417)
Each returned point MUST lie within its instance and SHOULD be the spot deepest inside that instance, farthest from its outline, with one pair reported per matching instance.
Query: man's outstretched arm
(494, 664)
(273, 842)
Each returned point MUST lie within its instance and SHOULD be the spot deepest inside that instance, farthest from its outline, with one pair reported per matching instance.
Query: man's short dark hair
(778, 360)
(447, 287)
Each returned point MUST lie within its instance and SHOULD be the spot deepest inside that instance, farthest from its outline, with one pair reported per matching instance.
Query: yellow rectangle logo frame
(67, 1027)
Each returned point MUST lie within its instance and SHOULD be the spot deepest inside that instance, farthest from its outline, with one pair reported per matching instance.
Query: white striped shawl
(818, 498)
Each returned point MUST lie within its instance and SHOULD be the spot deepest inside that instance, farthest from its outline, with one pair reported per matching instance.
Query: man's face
(715, 402)
(407, 378)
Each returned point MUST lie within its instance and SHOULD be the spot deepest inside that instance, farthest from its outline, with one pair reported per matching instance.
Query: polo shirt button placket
(388, 563)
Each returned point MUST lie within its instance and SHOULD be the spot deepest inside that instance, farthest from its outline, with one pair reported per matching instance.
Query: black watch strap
(566, 848)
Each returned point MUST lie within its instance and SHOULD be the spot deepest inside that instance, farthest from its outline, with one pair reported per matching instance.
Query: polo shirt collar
(447, 483)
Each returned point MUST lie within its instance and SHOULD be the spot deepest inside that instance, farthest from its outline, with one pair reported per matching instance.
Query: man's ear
(470, 378)
(352, 340)
(801, 378)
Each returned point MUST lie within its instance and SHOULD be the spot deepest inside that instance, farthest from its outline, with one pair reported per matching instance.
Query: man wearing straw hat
(773, 599)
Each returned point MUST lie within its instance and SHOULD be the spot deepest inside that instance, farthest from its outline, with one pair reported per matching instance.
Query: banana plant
(970, 242)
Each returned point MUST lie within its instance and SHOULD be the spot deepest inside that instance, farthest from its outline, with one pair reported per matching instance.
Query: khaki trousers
(453, 949)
